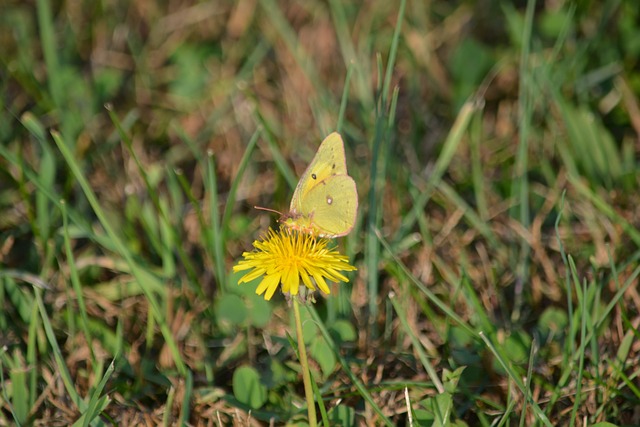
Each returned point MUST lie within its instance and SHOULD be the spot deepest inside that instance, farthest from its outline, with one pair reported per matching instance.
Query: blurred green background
(495, 145)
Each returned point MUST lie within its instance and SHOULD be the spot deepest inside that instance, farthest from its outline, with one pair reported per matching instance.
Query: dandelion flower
(286, 257)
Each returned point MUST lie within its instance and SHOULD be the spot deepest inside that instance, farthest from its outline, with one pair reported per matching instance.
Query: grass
(495, 149)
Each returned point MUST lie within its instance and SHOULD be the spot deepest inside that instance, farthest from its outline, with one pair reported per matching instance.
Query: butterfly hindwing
(335, 214)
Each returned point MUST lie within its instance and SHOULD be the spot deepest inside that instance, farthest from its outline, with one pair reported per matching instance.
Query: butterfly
(325, 201)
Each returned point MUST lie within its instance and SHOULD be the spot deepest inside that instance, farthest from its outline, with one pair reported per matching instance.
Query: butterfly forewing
(328, 161)
(325, 201)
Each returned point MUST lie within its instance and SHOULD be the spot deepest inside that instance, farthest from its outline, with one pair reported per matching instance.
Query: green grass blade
(520, 191)
(474, 219)
(57, 353)
(75, 280)
(318, 394)
(393, 52)
(32, 355)
(166, 417)
(186, 399)
(581, 356)
(278, 158)
(19, 391)
(46, 172)
(515, 377)
(233, 191)
(379, 161)
(476, 135)
(345, 98)
(453, 140)
(272, 10)
(145, 280)
(528, 382)
(345, 366)
(350, 56)
(372, 248)
(195, 204)
(433, 376)
(377, 170)
(428, 293)
(97, 403)
(217, 238)
(605, 208)
(474, 302)
(77, 219)
(50, 51)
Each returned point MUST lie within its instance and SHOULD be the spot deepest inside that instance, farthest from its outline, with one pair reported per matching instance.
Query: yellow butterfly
(325, 202)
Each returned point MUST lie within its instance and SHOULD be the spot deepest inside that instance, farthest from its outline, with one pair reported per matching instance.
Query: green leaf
(469, 64)
(248, 288)
(324, 355)
(450, 379)
(247, 387)
(423, 417)
(259, 311)
(231, 309)
(552, 321)
(343, 331)
(517, 346)
(191, 73)
(342, 415)
(437, 410)
(553, 22)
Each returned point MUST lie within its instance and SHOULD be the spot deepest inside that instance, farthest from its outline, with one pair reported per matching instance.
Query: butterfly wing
(331, 206)
(325, 201)
(328, 161)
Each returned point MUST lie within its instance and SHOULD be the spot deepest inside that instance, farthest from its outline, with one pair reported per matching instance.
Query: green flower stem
(306, 378)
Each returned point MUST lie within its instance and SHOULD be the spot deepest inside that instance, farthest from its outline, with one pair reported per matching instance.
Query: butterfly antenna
(260, 208)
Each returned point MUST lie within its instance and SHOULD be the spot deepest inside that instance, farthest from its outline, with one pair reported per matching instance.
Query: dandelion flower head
(290, 256)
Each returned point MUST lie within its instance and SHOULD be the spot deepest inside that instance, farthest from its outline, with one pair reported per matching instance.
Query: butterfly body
(325, 201)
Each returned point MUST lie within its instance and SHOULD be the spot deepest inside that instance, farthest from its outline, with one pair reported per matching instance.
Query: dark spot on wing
(313, 175)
